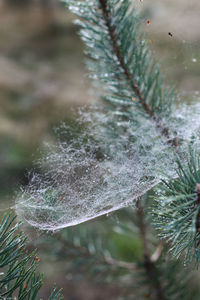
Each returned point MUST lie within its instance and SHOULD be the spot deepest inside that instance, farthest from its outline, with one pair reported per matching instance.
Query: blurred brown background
(42, 76)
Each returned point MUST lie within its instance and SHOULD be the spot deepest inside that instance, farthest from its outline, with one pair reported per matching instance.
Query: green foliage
(176, 209)
(18, 277)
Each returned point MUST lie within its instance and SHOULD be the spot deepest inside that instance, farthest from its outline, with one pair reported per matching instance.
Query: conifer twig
(111, 30)
(117, 51)
(148, 263)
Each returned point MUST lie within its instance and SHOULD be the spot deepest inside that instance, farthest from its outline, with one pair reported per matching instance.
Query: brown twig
(121, 264)
(156, 255)
(148, 262)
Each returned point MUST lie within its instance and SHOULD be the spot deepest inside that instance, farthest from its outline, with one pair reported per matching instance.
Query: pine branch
(18, 277)
(117, 51)
(133, 60)
(176, 210)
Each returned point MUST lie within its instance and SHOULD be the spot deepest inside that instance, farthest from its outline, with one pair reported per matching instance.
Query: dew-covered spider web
(102, 169)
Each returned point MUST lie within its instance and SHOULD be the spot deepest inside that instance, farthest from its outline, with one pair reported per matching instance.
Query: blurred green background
(42, 77)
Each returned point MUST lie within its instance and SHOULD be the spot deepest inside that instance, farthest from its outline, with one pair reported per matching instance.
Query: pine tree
(139, 148)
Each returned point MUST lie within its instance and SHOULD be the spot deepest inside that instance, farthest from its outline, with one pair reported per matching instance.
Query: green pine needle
(18, 275)
(176, 211)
